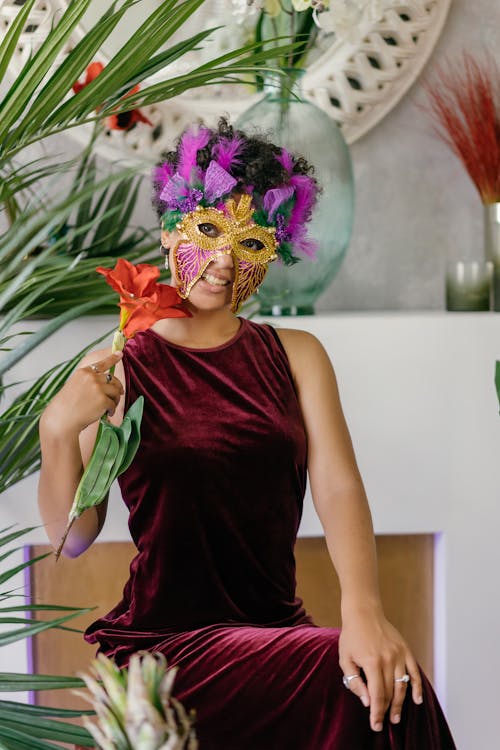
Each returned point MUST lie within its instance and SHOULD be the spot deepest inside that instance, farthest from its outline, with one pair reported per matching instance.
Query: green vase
(305, 130)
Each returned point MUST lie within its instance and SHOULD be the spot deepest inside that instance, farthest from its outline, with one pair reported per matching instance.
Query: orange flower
(123, 120)
(142, 300)
(93, 70)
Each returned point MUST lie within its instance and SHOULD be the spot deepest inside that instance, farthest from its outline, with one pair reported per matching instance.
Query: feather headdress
(287, 207)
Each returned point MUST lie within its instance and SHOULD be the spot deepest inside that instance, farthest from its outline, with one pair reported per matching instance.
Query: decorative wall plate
(356, 82)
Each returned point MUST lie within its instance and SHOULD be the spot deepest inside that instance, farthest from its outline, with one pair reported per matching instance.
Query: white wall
(418, 393)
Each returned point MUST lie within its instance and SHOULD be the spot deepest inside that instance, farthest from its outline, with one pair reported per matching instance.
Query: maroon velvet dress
(215, 497)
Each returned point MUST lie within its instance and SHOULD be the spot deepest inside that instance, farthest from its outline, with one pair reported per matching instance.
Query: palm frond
(19, 443)
(25, 726)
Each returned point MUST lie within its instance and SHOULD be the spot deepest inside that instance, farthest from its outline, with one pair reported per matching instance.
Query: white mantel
(419, 397)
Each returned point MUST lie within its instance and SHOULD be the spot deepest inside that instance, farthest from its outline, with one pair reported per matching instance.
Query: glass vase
(305, 130)
(492, 246)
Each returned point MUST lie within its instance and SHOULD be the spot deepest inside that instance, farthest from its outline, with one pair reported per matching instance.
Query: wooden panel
(95, 579)
(98, 576)
(406, 582)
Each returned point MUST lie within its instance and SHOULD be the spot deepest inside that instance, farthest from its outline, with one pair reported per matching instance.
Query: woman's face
(220, 256)
(214, 290)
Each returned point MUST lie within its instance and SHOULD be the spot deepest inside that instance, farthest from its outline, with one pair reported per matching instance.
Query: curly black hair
(258, 165)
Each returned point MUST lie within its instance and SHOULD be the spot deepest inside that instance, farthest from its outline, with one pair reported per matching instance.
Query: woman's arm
(68, 429)
(368, 641)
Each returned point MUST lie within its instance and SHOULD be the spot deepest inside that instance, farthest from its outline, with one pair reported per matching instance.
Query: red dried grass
(464, 105)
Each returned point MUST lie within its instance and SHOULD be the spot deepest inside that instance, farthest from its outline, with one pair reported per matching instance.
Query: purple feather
(174, 189)
(302, 243)
(218, 182)
(274, 197)
(306, 193)
(192, 141)
(286, 160)
(226, 152)
(162, 174)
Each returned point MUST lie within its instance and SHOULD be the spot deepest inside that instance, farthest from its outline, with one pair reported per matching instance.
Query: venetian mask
(208, 233)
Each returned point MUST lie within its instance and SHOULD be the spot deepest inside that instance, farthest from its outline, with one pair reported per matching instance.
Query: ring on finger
(404, 678)
(94, 368)
(109, 377)
(347, 678)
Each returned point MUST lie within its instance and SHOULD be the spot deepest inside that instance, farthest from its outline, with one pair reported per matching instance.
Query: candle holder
(469, 286)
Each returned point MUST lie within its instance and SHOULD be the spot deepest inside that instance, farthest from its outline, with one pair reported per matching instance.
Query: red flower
(123, 120)
(93, 70)
(142, 300)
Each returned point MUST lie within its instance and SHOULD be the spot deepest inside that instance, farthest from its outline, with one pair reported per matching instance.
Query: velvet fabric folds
(215, 498)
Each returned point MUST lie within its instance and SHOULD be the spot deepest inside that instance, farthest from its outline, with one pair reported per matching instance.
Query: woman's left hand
(369, 642)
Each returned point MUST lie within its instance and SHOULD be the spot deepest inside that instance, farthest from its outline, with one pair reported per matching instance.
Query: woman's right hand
(89, 392)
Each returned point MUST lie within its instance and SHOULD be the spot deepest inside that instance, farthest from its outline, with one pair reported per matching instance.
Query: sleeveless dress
(215, 497)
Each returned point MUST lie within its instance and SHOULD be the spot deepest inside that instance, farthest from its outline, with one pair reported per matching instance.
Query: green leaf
(30, 630)
(11, 682)
(21, 92)
(43, 728)
(70, 69)
(13, 738)
(10, 41)
(7, 538)
(114, 450)
(97, 477)
(28, 710)
(19, 444)
(134, 414)
(37, 338)
(7, 574)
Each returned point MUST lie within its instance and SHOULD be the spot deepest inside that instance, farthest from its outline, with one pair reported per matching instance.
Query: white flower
(242, 10)
(344, 17)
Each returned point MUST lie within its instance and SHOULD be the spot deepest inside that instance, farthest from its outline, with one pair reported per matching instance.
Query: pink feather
(162, 174)
(286, 160)
(305, 198)
(302, 243)
(227, 151)
(192, 141)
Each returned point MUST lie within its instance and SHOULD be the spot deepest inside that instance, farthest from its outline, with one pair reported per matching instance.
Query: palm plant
(51, 246)
(48, 247)
(22, 726)
(135, 708)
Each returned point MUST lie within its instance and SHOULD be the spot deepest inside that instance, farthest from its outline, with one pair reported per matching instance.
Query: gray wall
(415, 205)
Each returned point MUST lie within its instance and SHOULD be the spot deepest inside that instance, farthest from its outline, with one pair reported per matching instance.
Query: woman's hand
(90, 392)
(370, 643)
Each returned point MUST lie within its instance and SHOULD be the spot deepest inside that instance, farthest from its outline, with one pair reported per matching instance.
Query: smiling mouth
(214, 280)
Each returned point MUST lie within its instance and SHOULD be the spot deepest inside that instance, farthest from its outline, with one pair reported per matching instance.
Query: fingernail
(365, 701)
(396, 719)
(378, 727)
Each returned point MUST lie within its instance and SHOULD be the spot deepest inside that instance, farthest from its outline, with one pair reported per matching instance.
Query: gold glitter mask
(208, 233)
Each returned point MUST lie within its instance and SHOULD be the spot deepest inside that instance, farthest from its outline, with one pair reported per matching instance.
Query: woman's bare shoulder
(297, 341)
(305, 352)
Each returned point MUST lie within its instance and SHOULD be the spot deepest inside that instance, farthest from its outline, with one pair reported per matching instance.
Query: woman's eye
(254, 245)
(210, 230)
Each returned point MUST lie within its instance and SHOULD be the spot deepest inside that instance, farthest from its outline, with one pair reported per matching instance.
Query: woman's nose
(224, 261)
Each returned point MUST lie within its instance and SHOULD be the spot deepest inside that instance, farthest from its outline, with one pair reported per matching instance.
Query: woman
(236, 415)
